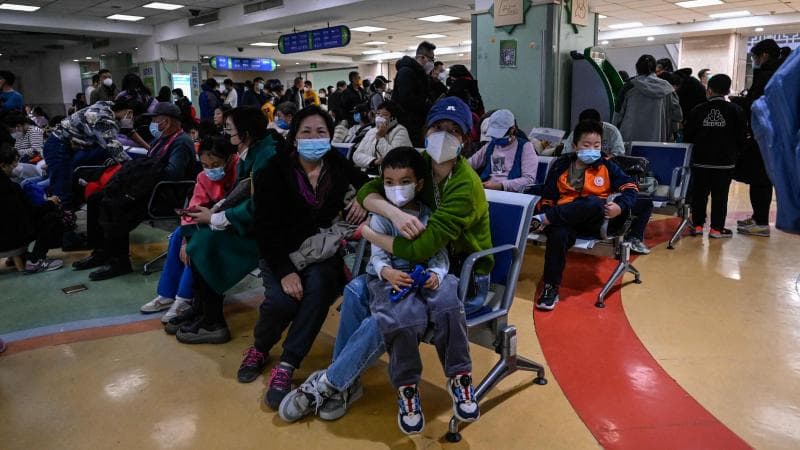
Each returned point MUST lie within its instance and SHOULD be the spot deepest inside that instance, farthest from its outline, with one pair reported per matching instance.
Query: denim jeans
(359, 342)
(176, 277)
(61, 161)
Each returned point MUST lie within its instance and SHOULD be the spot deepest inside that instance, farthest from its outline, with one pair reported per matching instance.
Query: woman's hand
(493, 185)
(397, 278)
(355, 213)
(202, 216)
(612, 210)
(433, 282)
(409, 226)
(292, 286)
(54, 199)
(185, 256)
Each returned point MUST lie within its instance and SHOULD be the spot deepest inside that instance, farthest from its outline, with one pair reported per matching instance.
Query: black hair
(352, 75)
(670, 77)
(13, 118)
(645, 65)
(666, 64)
(341, 83)
(178, 92)
(438, 63)
(404, 158)
(38, 111)
(378, 83)
(249, 122)
(590, 114)
(768, 46)
(296, 79)
(164, 94)
(785, 52)
(720, 84)
(55, 120)
(8, 154)
(586, 127)
(218, 146)
(702, 73)
(224, 107)
(101, 72)
(124, 102)
(133, 84)
(425, 48)
(95, 78)
(228, 82)
(287, 108)
(305, 113)
(8, 76)
(363, 109)
(212, 83)
(256, 79)
(308, 83)
(624, 75)
(394, 109)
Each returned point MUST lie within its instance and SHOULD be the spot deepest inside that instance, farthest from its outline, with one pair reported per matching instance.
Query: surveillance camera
(194, 12)
(241, 49)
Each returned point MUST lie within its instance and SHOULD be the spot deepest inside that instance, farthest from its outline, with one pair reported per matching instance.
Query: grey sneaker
(754, 230)
(639, 247)
(43, 265)
(335, 407)
(746, 222)
(179, 306)
(304, 400)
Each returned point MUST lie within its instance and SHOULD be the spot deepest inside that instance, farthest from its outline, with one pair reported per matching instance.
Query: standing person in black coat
(353, 96)
(691, 91)
(750, 168)
(717, 128)
(411, 91)
(335, 102)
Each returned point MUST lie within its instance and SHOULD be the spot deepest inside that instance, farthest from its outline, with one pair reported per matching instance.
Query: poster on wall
(183, 81)
(508, 53)
(508, 12)
(580, 13)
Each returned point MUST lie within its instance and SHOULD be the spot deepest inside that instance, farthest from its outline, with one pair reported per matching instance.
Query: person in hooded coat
(650, 108)
(411, 91)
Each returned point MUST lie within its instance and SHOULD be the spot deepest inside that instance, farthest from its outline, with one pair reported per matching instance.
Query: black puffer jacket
(411, 93)
(17, 223)
(717, 129)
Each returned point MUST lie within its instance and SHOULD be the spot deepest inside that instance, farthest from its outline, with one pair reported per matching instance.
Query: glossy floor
(720, 317)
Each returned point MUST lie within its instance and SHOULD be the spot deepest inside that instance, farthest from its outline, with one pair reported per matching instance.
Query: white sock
(325, 386)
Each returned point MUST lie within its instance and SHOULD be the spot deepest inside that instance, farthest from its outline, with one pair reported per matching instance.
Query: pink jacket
(207, 192)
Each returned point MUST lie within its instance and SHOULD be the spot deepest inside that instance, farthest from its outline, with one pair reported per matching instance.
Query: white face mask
(442, 146)
(400, 195)
(17, 135)
(259, 86)
(108, 82)
(428, 67)
(380, 120)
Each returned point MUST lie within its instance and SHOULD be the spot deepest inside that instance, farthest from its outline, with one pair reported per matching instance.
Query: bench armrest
(469, 263)
(189, 185)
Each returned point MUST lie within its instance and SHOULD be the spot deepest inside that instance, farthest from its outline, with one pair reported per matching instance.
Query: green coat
(461, 222)
(224, 257)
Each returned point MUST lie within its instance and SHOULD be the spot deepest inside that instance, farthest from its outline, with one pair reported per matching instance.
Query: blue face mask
(357, 117)
(154, 130)
(588, 155)
(313, 149)
(502, 142)
(215, 174)
(281, 123)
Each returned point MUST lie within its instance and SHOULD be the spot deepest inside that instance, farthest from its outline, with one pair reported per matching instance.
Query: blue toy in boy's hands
(419, 276)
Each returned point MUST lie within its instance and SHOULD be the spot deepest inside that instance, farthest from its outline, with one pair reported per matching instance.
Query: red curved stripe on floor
(625, 398)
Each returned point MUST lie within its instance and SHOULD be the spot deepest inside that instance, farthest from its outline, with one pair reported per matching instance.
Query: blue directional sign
(220, 62)
(321, 39)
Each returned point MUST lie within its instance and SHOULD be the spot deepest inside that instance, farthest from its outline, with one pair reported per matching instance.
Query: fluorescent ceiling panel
(622, 26)
(125, 17)
(438, 18)
(728, 15)
(164, 6)
(699, 3)
(367, 29)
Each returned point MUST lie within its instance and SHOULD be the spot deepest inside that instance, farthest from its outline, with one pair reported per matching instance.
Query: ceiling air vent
(262, 6)
(204, 19)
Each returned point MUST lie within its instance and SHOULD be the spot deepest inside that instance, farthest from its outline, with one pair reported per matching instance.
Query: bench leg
(146, 270)
(684, 223)
(636, 273)
(508, 364)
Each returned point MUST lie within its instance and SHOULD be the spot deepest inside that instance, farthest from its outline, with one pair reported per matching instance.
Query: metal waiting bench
(669, 164)
(167, 196)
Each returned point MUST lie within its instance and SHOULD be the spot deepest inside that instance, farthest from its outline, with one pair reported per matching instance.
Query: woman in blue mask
(219, 159)
(283, 117)
(574, 202)
(302, 191)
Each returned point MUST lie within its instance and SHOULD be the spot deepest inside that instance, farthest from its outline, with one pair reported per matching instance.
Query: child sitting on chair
(403, 316)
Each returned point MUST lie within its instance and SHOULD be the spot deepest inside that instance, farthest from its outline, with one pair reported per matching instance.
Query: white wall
(625, 58)
(39, 82)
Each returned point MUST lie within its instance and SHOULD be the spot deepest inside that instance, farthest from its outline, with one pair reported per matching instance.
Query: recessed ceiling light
(602, 16)
(438, 18)
(621, 26)
(699, 3)
(375, 43)
(277, 65)
(760, 29)
(651, 38)
(199, 25)
(76, 60)
(264, 44)
(371, 52)
(728, 15)
(297, 64)
(164, 6)
(125, 17)
(604, 43)
(16, 7)
(367, 29)
(88, 57)
(460, 54)
(431, 36)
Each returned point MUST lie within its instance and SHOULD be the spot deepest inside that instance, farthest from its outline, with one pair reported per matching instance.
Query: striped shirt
(31, 142)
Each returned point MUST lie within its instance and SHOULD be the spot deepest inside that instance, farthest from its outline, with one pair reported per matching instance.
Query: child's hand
(397, 278)
(433, 282)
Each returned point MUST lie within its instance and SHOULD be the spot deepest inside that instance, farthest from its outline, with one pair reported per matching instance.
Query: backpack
(637, 168)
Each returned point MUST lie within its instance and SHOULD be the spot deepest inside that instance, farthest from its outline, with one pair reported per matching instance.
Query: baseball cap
(499, 123)
(165, 109)
(451, 108)
(383, 78)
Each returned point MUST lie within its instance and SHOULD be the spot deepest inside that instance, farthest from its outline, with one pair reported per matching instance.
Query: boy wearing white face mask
(403, 323)
(574, 203)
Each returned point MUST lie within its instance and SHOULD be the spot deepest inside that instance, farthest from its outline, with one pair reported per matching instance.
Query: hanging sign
(580, 13)
(253, 64)
(322, 39)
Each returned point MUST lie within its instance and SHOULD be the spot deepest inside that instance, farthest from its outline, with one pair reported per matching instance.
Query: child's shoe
(157, 304)
(696, 230)
(409, 415)
(179, 306)
(280, 384)
(465, 405)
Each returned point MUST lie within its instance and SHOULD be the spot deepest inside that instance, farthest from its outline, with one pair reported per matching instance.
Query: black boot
(115, 267)
(96, 259)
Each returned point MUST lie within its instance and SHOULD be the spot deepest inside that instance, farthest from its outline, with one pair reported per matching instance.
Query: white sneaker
(157, 304)
(178, 307)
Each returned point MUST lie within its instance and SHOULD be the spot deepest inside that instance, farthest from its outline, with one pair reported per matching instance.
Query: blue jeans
(61, 161)
(176, 277)
(359, 342)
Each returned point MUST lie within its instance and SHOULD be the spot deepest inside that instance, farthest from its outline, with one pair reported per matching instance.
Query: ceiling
(663, 12)
(99, 9)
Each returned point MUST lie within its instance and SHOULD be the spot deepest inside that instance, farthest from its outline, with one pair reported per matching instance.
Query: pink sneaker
(280, 384)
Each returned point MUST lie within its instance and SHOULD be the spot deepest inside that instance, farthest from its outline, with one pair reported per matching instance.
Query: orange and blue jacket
(601, 179)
